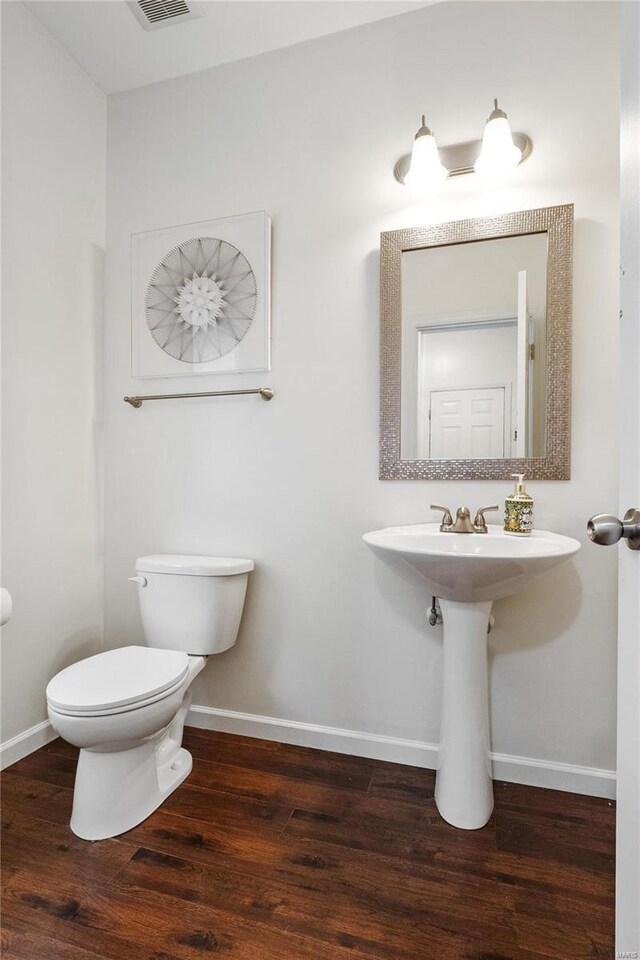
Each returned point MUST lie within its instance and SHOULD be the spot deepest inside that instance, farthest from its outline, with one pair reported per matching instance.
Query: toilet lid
(116, 678)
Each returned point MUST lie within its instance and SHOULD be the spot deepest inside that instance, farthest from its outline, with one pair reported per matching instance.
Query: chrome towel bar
(265, 392)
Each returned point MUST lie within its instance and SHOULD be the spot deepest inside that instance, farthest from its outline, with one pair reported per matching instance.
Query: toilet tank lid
(193, 566)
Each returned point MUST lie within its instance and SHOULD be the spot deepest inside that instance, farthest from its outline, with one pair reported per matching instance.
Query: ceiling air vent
(152, 14)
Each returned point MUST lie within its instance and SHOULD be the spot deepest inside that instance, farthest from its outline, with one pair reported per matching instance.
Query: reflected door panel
(467, 423)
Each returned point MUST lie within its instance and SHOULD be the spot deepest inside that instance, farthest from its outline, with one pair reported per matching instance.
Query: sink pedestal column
(464, 789)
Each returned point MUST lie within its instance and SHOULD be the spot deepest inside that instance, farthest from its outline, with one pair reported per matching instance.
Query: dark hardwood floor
(272, 852)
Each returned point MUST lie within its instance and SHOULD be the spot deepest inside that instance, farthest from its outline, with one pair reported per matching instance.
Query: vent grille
(152, 14)
(156, 10)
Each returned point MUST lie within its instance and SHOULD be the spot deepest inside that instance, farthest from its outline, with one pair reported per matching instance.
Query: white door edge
(628, 765)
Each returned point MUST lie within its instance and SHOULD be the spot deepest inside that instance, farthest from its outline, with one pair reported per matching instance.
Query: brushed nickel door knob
(607, 530)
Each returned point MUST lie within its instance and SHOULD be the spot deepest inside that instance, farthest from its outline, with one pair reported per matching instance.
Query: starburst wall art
(200, 298)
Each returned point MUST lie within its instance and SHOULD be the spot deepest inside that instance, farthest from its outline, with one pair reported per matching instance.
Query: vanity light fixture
(497, 152)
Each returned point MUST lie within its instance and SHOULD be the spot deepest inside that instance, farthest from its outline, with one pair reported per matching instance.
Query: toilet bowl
(126, 708)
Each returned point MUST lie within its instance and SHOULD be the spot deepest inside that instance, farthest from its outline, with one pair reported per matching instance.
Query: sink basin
(473, 566)
(467, 572)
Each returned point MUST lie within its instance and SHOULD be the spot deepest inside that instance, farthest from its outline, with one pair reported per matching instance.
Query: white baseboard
(25, 743)
(535, 773)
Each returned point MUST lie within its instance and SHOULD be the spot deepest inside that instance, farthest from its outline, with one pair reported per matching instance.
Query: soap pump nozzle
(520, 484)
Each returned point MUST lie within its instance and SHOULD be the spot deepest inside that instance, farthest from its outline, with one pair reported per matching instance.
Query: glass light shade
(425, 169)
(499, 154)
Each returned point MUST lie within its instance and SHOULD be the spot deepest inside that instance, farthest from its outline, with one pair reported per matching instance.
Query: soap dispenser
(518, 510)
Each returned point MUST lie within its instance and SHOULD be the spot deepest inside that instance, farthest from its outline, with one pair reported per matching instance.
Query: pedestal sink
(467, 572)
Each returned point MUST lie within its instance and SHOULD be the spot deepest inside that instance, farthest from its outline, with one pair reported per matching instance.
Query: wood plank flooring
(274, 852)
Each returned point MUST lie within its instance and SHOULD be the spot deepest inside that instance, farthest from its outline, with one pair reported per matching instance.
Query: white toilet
(126, 708)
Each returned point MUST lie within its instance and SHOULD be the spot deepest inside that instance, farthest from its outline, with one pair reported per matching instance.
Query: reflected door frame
(412, 402)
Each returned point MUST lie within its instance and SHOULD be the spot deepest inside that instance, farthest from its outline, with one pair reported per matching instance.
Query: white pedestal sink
(467, 572)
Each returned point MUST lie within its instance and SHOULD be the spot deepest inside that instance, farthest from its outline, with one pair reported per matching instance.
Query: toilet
(126, 708)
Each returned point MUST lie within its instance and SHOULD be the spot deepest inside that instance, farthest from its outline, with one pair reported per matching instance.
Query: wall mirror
(476, 348)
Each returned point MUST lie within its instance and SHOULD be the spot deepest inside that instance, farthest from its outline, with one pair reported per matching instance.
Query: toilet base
(114, 792)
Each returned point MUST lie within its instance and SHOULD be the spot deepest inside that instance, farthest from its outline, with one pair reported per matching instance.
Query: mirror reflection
(474, 371)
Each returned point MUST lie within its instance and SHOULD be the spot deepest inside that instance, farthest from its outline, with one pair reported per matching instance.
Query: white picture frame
(200, 298)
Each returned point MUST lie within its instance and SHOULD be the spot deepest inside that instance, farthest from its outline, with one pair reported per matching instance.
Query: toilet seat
(116, 681)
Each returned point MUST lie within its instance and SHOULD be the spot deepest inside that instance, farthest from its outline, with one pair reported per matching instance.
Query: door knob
(606, 530)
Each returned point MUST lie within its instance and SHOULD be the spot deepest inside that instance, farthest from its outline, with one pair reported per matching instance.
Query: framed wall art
(200, 298)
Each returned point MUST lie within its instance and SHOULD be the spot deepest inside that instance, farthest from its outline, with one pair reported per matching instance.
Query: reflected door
(466, 423)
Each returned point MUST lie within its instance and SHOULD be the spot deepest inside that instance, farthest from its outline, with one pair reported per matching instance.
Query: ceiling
(106, 40)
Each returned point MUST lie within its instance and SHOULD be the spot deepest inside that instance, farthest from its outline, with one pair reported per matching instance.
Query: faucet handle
(480, 524)
(447, 519)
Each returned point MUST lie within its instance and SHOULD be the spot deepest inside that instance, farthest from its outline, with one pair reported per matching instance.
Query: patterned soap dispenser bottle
(518, 510)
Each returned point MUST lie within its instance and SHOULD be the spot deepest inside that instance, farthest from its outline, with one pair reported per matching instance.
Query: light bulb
(499, 154)
(426, 168)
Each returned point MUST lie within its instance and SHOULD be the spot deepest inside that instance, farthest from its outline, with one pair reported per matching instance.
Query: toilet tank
(193, 604)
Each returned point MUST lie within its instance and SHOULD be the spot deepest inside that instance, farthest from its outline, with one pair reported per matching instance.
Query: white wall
(474, 278)
(311, 133)
(53, 170)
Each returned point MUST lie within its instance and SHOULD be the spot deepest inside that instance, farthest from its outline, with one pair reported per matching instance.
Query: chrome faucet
(447, 520)
(479, 523)
(462, 523)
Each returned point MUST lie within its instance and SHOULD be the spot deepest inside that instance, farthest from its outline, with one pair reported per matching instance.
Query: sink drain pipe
(434, 615)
